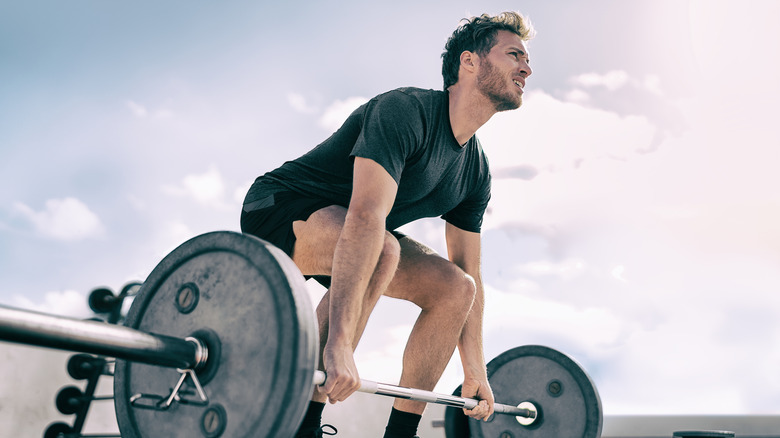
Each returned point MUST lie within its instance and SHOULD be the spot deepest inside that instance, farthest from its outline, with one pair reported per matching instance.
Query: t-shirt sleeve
(469, 213)
(392, 131)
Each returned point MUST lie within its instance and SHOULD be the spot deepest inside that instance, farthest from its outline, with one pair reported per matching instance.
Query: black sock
(311, 421)
(402, 424)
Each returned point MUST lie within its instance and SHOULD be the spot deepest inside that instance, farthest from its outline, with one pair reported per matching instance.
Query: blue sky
(633, 221)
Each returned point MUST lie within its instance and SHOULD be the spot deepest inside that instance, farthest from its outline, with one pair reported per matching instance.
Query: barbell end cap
(201, 353)
(320, 377)
(532, 411)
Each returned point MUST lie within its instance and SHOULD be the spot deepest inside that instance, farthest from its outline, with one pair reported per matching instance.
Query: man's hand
(478, 389)
(343, 378)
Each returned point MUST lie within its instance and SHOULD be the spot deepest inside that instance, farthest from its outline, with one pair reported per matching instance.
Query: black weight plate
(566, 397)
(253, 299)
(102, 300)
(58, 430)
(69, 400)
(83, 366)
(456, 423)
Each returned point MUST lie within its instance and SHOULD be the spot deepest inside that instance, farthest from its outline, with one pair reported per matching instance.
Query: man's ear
(469, 60)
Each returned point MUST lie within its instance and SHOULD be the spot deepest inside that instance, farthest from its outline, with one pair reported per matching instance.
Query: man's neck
(468, 110)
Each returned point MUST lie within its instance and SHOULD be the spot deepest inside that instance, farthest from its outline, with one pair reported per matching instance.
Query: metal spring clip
(160, 403)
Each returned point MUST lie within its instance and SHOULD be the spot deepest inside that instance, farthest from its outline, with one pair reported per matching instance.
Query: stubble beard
(493, 86)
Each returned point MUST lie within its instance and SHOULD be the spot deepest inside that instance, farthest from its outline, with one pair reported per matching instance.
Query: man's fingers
(343, 378)
(479, 412)
(338, 388)
(482, 411)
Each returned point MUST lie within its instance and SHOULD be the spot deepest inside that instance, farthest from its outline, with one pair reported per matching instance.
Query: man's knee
(467, 291)
(391, 251)
(457, 291)
(388, 261)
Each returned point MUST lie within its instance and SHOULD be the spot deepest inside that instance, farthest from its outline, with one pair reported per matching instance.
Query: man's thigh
(423, 276)
(316, 238)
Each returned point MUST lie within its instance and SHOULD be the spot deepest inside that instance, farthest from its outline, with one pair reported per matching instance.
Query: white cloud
(137, 109)
(577, 96)
(141, 111)
(177, 233)
(206, 188)
(551, 135)
(298, 102)
(652, 83)
(611, 80)
(619, 272)
(63, 219)
(168, 236)
(66, 303)
(335, 115)
(520, 171)
(566, 269)
(597, 327)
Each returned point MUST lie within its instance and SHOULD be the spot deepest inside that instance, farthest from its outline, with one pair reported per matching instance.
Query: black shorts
(273, 221)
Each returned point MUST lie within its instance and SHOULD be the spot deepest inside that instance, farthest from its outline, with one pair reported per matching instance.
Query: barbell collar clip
(163, 403)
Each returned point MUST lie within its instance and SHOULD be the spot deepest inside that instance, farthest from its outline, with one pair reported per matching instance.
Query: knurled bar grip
(63, 333)
(370, 387)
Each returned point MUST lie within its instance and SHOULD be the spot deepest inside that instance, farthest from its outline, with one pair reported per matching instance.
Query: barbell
(221, 340)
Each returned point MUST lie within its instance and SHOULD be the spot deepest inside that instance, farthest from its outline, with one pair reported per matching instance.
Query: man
(404, 155)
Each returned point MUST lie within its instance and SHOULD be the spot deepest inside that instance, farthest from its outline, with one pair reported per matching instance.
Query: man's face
(503, 71)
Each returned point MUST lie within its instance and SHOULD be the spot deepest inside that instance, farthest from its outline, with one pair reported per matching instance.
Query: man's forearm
(357, 253)
(470, 344)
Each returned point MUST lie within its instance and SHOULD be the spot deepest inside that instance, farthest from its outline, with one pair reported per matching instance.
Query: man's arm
(354, 261)
(464, 249)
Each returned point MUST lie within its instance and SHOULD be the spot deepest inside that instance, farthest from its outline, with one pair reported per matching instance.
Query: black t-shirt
(407, 131)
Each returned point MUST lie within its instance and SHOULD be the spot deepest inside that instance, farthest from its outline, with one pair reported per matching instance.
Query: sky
(633, 223)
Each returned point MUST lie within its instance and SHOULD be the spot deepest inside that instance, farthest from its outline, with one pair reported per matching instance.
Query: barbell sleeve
(370, 387)
(71, 334)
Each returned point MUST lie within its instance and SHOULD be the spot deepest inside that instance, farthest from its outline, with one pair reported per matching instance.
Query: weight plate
(102, 300)
(69, 400)
(568, 402)
(83, 366)
(57, 430)
(254, 310)
(456, 423)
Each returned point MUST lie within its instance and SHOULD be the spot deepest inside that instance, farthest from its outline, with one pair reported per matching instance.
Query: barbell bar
(528, 411)
(70, 334)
